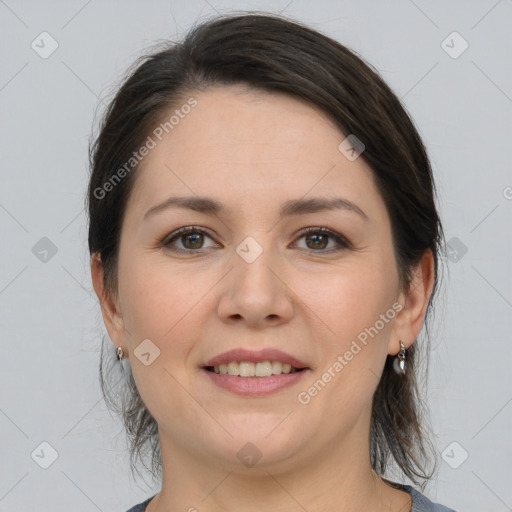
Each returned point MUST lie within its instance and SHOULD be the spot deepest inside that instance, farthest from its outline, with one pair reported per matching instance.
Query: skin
(252, 151)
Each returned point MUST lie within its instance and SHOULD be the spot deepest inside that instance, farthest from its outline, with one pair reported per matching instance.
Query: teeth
(246, 369)
(263, 369)
(233, 369)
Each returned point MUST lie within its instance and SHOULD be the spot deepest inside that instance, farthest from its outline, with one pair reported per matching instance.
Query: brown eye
(192, 241)
(189, 239)
(318, 240)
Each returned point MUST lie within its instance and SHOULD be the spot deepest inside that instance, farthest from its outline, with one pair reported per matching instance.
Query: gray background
(50, 320)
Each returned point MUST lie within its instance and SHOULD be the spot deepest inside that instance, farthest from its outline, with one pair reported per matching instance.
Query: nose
(255, 294)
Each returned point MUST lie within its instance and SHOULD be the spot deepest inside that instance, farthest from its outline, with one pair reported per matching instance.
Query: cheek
(156, 299)
(168, 307)
(350, 299)
(352, 337)
(160, 307)
(351, 341)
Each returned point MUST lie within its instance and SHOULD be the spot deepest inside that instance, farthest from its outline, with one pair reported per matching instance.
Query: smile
(249, 369)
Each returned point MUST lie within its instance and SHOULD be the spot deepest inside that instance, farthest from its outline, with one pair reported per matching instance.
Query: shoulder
(420, 503)
(141, 507)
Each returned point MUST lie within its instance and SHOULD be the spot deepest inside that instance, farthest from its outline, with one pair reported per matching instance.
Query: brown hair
(272, 53)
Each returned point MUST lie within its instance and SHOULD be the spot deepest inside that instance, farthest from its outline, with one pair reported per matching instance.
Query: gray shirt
(420, 503)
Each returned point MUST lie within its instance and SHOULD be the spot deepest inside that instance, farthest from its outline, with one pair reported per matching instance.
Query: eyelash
(342, 242)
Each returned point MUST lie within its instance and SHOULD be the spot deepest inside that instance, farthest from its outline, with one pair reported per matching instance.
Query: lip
(255, 356)
(255, 386)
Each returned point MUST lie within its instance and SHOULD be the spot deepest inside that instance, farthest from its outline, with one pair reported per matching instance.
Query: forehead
(249, 145)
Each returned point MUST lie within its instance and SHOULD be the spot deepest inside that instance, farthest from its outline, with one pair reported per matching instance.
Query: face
(271, 267)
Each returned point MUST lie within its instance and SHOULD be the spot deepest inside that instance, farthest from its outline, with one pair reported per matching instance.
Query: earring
(119, 353)
(399, 363)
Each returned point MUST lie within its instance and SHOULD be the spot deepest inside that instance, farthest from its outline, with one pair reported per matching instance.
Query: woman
(265, 243)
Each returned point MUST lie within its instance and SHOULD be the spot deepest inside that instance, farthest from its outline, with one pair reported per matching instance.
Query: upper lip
(256, 356)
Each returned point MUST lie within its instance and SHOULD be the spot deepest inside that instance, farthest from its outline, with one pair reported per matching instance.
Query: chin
(251, 451)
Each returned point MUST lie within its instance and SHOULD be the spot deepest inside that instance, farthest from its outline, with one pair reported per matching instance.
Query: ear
(109, 305)
(409, 321)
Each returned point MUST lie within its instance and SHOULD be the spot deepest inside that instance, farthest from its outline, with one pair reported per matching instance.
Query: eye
(318, 239)
(192, 239)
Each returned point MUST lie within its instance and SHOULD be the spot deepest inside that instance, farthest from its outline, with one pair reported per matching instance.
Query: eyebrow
(289, 208)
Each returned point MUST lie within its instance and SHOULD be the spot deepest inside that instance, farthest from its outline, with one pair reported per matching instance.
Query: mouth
(250, 379)
(255, 373)
(260, 369)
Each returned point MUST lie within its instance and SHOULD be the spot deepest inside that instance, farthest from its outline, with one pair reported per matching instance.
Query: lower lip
(255, 386)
